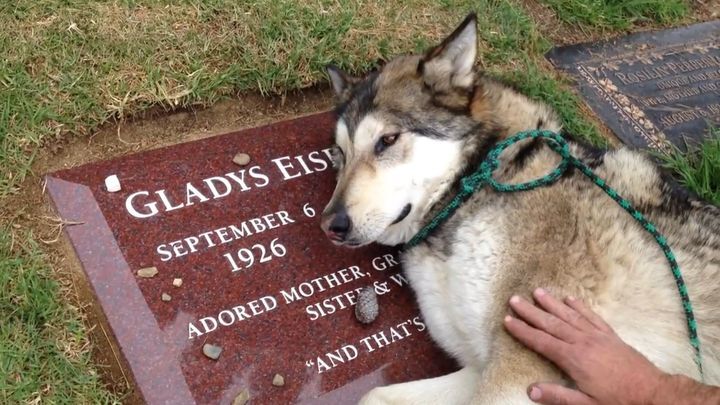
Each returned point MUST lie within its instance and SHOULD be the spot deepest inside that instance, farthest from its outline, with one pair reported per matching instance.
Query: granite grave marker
(198, 257)
(653, 89)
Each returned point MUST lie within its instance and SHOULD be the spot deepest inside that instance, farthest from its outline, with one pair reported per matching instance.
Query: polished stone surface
(195, 215)
(653, 89)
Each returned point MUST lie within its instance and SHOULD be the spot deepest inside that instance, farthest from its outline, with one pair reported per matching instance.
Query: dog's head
(399, 140)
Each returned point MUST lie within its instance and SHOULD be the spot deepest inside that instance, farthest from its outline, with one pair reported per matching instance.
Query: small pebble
(177, 282)
(148, 272)
(278, 380)
(242, 398)
(212, 351)
(166, 297)
(241, 159)
(112, 183)
(367, 308)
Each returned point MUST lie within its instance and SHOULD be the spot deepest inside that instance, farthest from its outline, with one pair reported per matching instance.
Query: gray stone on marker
(367, 307)
(211, 351)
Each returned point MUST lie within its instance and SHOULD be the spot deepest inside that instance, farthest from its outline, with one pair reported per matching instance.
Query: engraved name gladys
(146, 204)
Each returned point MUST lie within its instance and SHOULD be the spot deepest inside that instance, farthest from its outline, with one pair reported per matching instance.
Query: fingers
(553, 394)
(588, 314)
(537, 340)
(542, 320)
(562, 311)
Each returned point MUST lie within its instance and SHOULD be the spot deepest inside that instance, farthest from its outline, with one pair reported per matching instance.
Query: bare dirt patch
(555, 30)
(155, 129)
(706, 10)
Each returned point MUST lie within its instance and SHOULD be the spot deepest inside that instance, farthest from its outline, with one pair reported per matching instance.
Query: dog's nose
(340, 224)
(337, 225)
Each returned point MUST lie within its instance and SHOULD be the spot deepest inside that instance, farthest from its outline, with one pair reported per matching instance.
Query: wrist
(661, 388)
(672, 389)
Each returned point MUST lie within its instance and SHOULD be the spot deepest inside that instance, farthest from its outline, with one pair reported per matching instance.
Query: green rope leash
(483, 176)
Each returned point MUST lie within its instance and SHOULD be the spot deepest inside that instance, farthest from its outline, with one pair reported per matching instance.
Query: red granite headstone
(259, 279)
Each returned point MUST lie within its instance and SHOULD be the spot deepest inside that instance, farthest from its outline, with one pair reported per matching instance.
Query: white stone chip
(278, 380)
(166, 297)
(112, 183)
(241, 159)
(242, 397)
(147, 272)
(177, 282)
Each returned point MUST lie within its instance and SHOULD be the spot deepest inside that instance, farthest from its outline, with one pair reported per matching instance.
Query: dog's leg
(509, 372)
(455, 388)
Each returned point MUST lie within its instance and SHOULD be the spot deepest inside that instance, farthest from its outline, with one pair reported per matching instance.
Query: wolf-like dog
(409, 131)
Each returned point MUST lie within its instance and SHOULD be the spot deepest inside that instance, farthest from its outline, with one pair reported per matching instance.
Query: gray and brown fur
(570, 237)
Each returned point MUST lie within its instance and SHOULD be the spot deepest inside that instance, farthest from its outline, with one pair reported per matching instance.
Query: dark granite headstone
(259, 278)
(651, 88)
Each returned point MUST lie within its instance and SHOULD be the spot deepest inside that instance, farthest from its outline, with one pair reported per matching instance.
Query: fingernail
(535, 393)
(540, 292)
(571, 298)
(508, 318)
(514, 299)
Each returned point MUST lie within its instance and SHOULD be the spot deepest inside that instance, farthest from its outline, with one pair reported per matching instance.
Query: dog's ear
(450, 64)
(341, 81)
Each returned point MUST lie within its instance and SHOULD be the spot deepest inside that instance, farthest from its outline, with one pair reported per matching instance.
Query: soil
(706, 10)
(156, 129)
(558, 32)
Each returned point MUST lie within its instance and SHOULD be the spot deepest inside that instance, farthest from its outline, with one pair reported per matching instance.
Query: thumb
(554, 394)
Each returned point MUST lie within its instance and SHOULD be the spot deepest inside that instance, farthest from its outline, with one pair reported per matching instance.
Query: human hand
(605, 369)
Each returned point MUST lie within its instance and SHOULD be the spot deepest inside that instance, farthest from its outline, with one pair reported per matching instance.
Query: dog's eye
(386, 141)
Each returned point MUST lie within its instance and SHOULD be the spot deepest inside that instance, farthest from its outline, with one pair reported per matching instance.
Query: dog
(407, 132)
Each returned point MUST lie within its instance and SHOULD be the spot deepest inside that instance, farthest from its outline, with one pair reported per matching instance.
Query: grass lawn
(700, 169)
(69, 66)
(618, 14)
(43, 342)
